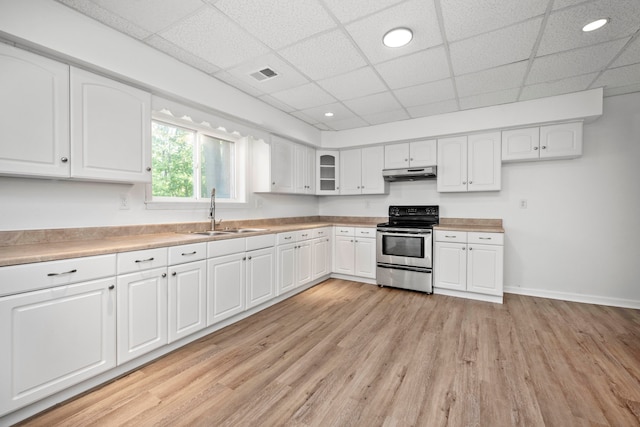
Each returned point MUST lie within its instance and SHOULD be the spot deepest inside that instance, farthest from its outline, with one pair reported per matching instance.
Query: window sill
(204, 205)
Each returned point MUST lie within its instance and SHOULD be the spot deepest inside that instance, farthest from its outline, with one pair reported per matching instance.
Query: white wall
(579, 236)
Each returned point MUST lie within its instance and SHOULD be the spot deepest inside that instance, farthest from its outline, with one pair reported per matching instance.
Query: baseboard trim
(468, 295)
(568, 296)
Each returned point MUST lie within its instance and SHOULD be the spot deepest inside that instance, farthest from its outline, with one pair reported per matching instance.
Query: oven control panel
(409, 211)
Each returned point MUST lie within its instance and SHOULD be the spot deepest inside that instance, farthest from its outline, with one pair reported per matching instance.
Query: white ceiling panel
(356, 122)
(180, 54)
(631, 55)
(466, 18)
(433, 109)
(422, 67)
(152, 15)
(287, 77)
(304, 97)
(324, 56)
(573, 62)
(354, 84)
(373, 104)
(232, 80)
(495, 48)
(427, 93)
(108, 18)
(304, 117)
(564, 27)
(340, 112)
(618, 77)
(347, 11)
(561, 4)
(486, 99)
(419, 15)
(558, 87)
(386, 117)
(278, 23)
(212, 36)
(277, 103)
(506, 76)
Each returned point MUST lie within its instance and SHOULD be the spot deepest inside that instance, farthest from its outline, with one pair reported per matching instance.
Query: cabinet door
(303, 263)
(365, 258)
(54, 338)
(142, 313)
(372, 162)
(327, 172)
(110, 129)
(310, 170)
(452, 164)
(261, 285)
(484, 274)
(187, 299)
(350, 171)
(225, 287)
(319, 249)
(343, 255)
(282, 166)
(484, 162)
(561, 141)
(287, 279)
(450, 267)
(423, 153)
(34, 114)
(521, 144)
(396, 156)
(301, 183)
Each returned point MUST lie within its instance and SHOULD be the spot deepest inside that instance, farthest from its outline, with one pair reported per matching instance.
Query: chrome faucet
(212, 210)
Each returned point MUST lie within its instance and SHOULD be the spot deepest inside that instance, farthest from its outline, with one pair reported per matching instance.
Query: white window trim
(242, 159)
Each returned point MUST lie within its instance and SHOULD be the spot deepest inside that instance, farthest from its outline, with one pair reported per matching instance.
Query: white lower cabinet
(321, 257)
(302, 256)
(469, 262)
(286, 259)
(261, 286)
(225, 290)
(354, 251)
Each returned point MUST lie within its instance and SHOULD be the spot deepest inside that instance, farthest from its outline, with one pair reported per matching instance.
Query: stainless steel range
(404, 248)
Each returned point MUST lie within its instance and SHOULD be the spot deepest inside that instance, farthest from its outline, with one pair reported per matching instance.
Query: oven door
(404, 247)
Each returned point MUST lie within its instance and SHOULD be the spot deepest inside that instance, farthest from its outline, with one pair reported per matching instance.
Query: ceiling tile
(214, 38)
(487, 99)
(340, 112)
(630, 55)
(621, 76)
(373, 104)
(347, 11)
(418, 15)
(107, 17)
(422, 67)
(287, 77)
(354, 84)
(151, 15)
(304, 117)
(464, 18)
(235, 82)
(278, 23)
(434, 108)
(574, 62)
(324, 56)
(492, 80)
(303, 97)
(495, 48)
(564, 28)
(386, 117)
(353, 123)
(180, 54)
(277, 103)
(427, 93)
(558, 87)
(561, 4)
(621, 90)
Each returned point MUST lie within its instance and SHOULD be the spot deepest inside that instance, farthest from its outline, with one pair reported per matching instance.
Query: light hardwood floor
(346, 354)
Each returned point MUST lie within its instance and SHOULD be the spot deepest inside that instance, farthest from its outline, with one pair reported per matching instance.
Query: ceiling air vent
(264, 74)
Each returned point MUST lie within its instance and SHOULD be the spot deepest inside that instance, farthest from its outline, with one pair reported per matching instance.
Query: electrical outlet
(124, 202)
(523, 204)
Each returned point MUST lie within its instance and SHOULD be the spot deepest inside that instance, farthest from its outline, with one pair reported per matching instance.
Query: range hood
(409, 174)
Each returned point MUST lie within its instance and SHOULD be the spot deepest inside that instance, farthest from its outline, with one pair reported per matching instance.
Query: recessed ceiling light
(328, 114)
(397, 37)
(598, 23)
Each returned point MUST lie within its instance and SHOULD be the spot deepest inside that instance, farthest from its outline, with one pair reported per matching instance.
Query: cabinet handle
(64, 160)
(145, 260)
(148, 169)
(470, 248)
(174, 273)
(485, 238)
(464, 249)
(189, 253)
(244, 258)
(364, 232)
(111, 287)
(249, 257)
(164, 275)
(544, 147)
(287, 238)
(406, 160)
(320, 232)
(411, 159)
(64, 272)
(464, 182)
(351, 241)
(273, 183)
(535, 148)
(470, 182)
(449, 237)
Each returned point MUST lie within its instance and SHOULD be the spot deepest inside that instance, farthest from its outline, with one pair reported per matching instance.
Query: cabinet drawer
(288, 237)
(28, 277)
(302, 235)
(451, 236)
(345, 231)
(259, 242)
(321, 232)
(226, 247)
(486, 238)
(129, 262)
(365, 232)
(187, 253)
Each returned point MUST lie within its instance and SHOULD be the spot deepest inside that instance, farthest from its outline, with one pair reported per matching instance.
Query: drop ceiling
(329, 57)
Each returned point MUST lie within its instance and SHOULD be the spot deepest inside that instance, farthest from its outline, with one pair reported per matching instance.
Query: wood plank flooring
(350, 354)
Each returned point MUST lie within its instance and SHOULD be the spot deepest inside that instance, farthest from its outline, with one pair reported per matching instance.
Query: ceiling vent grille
(264, 74)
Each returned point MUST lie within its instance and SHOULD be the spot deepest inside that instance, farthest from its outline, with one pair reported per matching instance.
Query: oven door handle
(404, 267)
(403, 232)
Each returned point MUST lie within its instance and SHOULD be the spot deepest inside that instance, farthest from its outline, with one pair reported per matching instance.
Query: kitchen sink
(228, 231)
(210, 232)
(244, 230)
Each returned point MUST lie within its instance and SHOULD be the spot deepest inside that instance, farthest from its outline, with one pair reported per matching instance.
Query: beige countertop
(470, 224)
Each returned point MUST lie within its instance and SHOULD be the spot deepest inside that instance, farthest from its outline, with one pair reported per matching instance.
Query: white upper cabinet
(327, 172)
(34, 114)
(304, 167)
(469, 163)
(110, 129)
(560, 141)
(283, 166)
(410, 154)
(361, 171)
(351, 171)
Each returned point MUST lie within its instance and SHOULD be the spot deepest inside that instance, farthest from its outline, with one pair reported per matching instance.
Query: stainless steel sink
(246, 230)
(228, 231)
(210, 232)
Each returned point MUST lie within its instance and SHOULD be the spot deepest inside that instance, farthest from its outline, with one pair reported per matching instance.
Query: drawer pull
(189, 253)
(484, 238)
(449, 237)
(287, 238)
(145, 260)
(364, 232)
(64, 272)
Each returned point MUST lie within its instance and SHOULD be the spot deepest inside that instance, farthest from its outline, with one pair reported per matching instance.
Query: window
(188, 162)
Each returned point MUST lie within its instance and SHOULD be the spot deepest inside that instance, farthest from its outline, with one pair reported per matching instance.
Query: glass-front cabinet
(327, 173)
